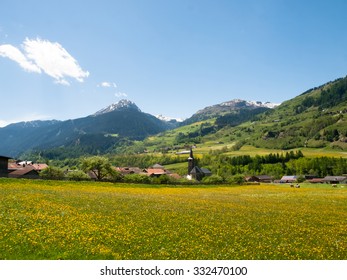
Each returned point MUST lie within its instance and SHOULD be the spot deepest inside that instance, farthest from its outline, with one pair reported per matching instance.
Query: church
(194, 171)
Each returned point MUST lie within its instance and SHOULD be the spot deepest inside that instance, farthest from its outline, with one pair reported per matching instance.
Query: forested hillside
(316, 118)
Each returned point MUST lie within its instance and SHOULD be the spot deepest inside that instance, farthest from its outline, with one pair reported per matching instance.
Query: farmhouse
(335, 180)
(25, 169)
(4, 166)
(288, 179)
(259, 178)
(129, 170)
(27, 172)
(157, 166)
(156, 172)
(316, 180)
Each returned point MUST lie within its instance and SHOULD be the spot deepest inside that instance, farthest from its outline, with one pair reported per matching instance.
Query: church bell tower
(191, 163)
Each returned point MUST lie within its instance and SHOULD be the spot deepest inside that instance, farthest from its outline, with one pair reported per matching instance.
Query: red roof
(156, 171)
(39, 166)
(22, 171)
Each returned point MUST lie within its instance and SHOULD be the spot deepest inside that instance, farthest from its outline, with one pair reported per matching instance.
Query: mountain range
(315, 118)
(91, 134)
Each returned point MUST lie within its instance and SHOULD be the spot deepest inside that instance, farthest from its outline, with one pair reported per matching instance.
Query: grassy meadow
(86, 220)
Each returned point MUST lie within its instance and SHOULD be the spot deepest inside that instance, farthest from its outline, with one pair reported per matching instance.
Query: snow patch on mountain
(122, 104)
(236, 102)
(168, 119)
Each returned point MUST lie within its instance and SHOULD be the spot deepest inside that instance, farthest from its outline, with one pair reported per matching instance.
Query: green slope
(315, 119)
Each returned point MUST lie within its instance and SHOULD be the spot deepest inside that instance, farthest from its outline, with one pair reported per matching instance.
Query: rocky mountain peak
(120, 105)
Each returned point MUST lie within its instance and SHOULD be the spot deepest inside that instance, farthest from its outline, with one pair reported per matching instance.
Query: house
(27, 172)
(335, 180)
(260, 179)
(175, 176)
(156, 172)
(4, 166)
(316, 180)
(12, 166)
(289, 179)
(157, 166)
(39, 166)
(129, 170)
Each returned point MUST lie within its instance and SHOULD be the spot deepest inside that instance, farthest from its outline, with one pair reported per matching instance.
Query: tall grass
(66, 220)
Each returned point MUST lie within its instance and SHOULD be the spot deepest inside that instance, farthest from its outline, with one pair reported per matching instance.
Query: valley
(314, 123)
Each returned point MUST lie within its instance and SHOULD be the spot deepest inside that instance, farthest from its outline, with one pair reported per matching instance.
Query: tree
(213, 179)
(77, 175)
(99, 166)
(237, 179)
(52, 172)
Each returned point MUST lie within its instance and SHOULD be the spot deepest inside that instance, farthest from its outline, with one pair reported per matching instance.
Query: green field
(69, 220)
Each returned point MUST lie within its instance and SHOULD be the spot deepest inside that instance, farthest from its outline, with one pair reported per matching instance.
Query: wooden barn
(260, 179)
(28, 172)
(4, 166)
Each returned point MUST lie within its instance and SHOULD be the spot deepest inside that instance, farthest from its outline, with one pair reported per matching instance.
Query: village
(20, 169)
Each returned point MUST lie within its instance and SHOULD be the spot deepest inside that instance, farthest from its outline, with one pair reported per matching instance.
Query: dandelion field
(85, 220)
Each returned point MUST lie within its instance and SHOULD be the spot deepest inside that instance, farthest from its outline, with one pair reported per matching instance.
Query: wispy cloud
(16, 55)
(44, 56)
(107, 85)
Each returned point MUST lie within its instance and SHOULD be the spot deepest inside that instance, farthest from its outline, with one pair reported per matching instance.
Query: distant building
(260, 179)
(316, 180)
(335, 180)
(28, 172)
(129, 170)
(191, 161)
(289, 179)
(4, 166)
(157, 166)
(156, 172)
(195, 172)
(25, 169)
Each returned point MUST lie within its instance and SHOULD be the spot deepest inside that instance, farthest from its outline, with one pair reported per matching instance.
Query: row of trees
(223, 167)
(101, 169)
(275, 165)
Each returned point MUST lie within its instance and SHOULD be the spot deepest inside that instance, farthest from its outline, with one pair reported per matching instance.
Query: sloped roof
(22, 171)
(40, 166)
(157, 166)
(13, 166)
(334, 178)
(200, 170)
(175, 176)
(156, 171)
(316, 180)
(196, 170)
(205, 171)
(263, 177)
(129, 170)
(292, 177)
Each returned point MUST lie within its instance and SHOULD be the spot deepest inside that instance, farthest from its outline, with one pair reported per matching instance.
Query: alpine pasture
(86, 220)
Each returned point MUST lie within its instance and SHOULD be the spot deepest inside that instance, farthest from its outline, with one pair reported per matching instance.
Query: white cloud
(45, 56)
(16, 55)
(107, 85)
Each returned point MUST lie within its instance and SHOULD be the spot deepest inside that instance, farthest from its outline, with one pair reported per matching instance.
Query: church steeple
(191, 163)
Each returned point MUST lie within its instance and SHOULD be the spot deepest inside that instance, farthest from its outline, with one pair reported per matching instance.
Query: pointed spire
(191, 163)
(191, 153)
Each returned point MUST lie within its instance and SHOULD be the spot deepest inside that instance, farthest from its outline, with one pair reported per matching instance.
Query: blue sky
(68, 59)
